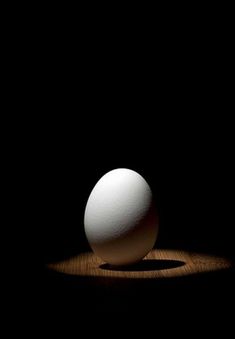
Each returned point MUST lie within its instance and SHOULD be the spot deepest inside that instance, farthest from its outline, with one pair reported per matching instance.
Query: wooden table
(158, 264)
(167, 289)
(166, 284)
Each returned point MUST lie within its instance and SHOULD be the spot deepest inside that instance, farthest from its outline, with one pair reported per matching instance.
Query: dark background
(186, 160)
(188, 166)
(159, 104)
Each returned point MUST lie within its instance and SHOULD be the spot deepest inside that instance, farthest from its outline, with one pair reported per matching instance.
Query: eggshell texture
(121, 223)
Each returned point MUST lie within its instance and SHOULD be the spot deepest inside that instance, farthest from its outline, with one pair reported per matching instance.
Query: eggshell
(121, 223)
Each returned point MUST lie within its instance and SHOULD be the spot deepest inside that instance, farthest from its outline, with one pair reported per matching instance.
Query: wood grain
(159, 263)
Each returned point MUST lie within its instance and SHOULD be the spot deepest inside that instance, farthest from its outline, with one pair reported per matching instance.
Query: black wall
(160, 105)
(185, 164)
(163, 111)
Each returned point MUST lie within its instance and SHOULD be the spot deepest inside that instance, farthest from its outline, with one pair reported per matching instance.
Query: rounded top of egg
(121, 223)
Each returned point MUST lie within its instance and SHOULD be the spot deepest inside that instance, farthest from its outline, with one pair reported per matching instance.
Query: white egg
(121, 223)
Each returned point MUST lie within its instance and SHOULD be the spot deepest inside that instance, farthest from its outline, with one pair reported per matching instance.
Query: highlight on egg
(121, 222)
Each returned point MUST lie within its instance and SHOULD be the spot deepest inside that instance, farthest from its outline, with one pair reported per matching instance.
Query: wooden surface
(160, 263)
(167, 284)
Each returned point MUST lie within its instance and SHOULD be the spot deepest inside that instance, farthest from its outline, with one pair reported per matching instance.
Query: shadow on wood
(145, 265)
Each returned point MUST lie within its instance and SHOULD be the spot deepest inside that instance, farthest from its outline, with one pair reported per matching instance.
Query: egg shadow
(145, 265)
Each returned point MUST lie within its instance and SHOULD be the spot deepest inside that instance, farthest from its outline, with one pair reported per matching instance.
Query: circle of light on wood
(160, 263)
